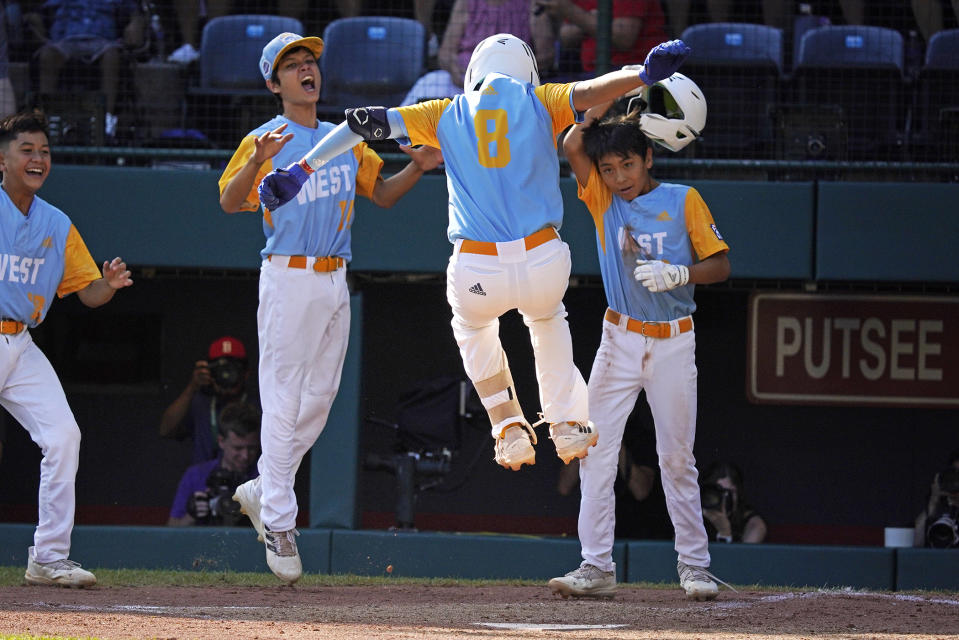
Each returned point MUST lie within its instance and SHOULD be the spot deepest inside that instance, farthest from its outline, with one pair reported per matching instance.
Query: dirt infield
(496, 611)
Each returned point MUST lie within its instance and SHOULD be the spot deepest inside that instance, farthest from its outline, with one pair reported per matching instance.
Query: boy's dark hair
(241, 418)
(619, 134)
(30, 121)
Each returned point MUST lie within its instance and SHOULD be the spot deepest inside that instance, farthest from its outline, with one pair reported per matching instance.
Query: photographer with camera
(938, 524)
(205, 493)
(216, 382)
(727, 517)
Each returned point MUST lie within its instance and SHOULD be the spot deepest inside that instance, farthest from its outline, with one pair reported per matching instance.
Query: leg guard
(499, 398)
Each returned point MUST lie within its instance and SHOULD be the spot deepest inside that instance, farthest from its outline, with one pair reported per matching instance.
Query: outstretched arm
(367, 123)
(663, 61)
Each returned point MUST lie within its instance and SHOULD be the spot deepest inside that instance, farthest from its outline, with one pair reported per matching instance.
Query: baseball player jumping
(505, 209)
(42, 255)
(655, 241)
(303, 319)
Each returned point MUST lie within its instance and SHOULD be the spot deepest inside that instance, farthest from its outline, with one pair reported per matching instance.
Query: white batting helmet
(675, 112)
(503, 53)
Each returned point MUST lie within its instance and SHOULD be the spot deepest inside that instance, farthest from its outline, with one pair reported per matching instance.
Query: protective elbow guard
(369, 122)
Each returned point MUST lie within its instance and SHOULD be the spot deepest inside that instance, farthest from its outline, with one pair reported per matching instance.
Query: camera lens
(712, 497)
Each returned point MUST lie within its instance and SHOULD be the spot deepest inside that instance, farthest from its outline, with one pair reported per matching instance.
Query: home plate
(546, 627)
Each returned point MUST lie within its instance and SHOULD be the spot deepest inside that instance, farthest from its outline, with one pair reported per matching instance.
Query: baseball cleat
(282, 555)
(697, 582)
(587, 581)
(514, 447)
(248, 497)
(60, 573)
(573, 439)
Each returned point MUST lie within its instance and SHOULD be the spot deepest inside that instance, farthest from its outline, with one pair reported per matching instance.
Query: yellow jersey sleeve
(556, 99)
(79, 269)
(368, 170)
(243, 153)
(421, 120)
(597, 198)
(702, 229)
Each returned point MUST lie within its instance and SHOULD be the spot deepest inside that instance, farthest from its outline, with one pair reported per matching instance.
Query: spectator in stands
(640, 502)
(934, 15)
(89, 31)
(471, 21)
(215, 382)
(8, 103)
(205, 492)
(189, 14)
(678, 12)
(638, 26)
(938, 524)
(727, 516)
(422, 13)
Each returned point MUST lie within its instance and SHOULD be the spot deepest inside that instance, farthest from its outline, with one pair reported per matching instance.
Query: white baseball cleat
(248, 497)
(282, 555)
(698, 582)
(573, 439)
(587, 581)
(514, 447)
(61, 573)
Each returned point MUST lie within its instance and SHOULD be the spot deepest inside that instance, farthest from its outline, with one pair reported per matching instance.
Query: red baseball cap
(227, 347)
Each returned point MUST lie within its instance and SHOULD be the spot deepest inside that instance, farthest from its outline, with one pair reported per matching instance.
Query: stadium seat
(738, 66)
(370, 60)
(935, 133)
(230, 50)
(857, 73)
(231, 97)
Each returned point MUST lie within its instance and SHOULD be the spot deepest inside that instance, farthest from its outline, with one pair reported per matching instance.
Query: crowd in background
(98, 45)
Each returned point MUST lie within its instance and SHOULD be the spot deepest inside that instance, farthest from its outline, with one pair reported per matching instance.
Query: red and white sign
(875, 350)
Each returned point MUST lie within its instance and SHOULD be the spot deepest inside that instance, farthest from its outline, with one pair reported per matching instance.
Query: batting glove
(657, 276)
(282, 185)
(663, 61)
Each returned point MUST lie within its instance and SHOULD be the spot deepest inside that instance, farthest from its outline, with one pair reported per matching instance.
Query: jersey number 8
(487, 137)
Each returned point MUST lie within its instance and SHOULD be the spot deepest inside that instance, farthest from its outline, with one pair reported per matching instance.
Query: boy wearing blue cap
(304, 308)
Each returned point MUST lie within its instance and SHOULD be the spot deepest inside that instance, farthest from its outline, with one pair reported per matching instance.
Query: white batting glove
(633, 67)
(657, 276)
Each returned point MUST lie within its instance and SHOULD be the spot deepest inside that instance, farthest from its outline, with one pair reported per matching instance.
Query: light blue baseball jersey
(317, 221)
(670, 223)
(499, 148)
(41, 254)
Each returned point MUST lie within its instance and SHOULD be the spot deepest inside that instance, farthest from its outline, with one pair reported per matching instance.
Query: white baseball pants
(627, 362)
(303, 325)
(30, 390)
(481, 288)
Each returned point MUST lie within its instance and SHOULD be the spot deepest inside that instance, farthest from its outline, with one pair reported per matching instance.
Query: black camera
(942, 526)
(223, 509)
(227, 373)
(715, 497)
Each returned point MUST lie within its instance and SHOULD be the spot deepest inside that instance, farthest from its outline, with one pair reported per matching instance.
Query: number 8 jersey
(499, 147)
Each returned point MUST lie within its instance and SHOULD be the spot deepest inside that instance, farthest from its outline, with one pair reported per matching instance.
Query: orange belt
(489, 248)
(652, 329)
(323, 265)
(11, 327)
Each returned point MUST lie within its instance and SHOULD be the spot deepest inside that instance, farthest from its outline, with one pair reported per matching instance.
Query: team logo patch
(664, 216)
(477, 289)
(265, 66)
(716, 231)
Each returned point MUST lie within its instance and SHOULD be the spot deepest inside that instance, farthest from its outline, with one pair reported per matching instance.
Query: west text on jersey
(326, 181)
(14, 268)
